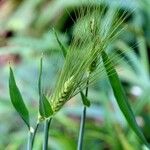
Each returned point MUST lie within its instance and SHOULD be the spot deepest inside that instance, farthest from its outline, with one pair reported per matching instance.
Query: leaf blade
(121, 97)
(17, 100)
(45, 109)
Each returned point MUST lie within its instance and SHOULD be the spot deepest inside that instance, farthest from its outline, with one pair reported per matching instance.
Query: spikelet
(63, 95)
(93, 65)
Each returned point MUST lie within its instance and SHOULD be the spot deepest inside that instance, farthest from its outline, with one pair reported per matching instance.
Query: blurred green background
(26, 31)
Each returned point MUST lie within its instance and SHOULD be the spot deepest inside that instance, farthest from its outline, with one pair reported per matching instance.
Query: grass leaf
(45, 109)
(121, 97)
(17, 100)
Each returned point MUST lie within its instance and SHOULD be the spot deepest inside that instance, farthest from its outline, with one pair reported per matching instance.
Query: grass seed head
(84, 53)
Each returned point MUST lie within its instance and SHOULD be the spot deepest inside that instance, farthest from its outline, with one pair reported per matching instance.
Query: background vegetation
(26, 31)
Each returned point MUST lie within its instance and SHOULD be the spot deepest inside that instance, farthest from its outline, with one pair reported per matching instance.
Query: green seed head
(93, 32)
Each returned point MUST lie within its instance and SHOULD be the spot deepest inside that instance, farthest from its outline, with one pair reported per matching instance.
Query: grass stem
(81, 132)
(46, 132)
(29, 146)
(82, 124)
(34, 134)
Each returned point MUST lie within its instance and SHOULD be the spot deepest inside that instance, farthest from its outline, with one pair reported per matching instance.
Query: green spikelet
(63, 96)
(93, 65)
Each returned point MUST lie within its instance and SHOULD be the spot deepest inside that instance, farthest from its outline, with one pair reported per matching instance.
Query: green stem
(34, 134)
(81, 132)
(82, 124)
(29, 146)
(46, 132)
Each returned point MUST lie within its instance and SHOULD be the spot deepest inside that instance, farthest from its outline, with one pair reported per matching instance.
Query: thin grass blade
(121, 97)
(45, 109)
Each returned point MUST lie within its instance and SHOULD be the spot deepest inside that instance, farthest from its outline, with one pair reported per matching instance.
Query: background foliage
(26, 32)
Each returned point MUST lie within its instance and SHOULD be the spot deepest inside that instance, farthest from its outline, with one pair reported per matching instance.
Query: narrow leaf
(45, 109)
(17, 100)
(85, 100)
(121, 97)
(61, 45)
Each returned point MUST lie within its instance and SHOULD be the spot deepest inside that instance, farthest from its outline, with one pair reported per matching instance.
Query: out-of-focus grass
(26, 32)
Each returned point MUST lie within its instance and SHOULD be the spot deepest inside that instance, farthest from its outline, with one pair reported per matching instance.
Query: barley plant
(87, 60)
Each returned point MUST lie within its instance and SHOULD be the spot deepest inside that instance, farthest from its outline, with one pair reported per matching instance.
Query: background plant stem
(46, 132)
